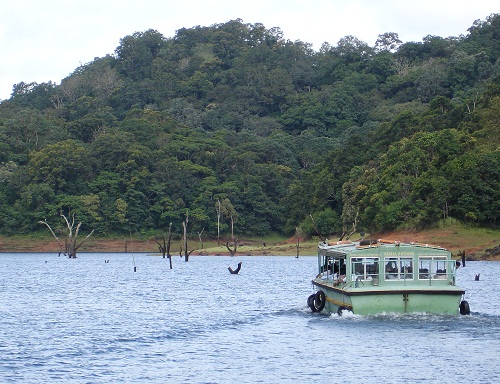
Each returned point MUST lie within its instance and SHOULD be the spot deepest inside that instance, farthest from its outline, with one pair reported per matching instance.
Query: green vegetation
(349, 138)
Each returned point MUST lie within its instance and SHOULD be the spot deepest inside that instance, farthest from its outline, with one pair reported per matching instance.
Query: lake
(94, 320)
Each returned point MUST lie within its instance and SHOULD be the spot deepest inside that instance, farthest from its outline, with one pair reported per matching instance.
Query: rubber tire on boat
(464, 308)
(310, 302)
(319, 301)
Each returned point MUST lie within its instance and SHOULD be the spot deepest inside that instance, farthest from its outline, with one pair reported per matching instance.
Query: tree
(70, 244)
(229, 212)
(136, 53)
(65, 166)
(352, 49)
(388, 41)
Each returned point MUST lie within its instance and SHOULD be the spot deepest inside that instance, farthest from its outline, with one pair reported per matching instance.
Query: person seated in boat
(391, 271)
(342, 269)
(440, 274)
(408, 272)
(423, 273)
(339, 279)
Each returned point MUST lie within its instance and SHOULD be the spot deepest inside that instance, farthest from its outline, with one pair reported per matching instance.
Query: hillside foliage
(348, 138)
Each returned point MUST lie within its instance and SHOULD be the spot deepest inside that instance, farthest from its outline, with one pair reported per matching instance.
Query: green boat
(384, 276)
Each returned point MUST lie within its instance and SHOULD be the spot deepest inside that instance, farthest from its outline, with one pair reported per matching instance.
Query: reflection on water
(87, 321)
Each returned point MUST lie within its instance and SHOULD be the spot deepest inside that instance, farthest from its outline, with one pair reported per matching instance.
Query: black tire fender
(464, 308)
(310, 302)
(319, 300)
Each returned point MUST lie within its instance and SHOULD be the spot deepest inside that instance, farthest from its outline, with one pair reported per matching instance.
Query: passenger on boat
(408, 272)
(440, 274)
(343, 269)
(339, 279)
(391, 270)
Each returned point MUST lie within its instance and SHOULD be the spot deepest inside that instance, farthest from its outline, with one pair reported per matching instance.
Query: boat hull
(375, 300)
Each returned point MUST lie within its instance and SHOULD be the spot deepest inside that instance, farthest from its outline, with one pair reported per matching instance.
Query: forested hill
(231, 121)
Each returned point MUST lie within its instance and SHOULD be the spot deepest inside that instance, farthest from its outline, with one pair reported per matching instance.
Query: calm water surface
(88, 321)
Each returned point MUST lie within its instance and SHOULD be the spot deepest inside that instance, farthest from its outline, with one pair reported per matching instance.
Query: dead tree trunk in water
(70, 243)
(164, 244)
(169, 242)
(235, 271)
(462, 255)
(298, 232)
(219, 212)
(184, 225)
(186, 252)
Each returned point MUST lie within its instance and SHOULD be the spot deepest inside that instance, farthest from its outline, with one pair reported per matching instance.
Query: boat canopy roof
(376, 248)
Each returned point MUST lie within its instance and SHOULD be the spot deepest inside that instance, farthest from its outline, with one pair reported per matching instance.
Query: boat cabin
(385, 263)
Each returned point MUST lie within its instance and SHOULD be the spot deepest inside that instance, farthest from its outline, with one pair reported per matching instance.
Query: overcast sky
(46, 40)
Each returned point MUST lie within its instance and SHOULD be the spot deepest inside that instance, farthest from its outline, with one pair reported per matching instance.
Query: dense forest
(233, 124)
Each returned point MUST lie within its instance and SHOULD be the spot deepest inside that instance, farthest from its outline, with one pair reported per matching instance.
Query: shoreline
(287, 247)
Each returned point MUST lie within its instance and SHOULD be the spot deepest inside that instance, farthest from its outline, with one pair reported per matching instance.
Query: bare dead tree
(184, 226)
(462, 256)
(61, 247)
(228, 211)
(232, 251)
(298, 233)
(186, 252)
(164, 244)
(354, 225)
(315, 227)
(169, 242)
(199, 237)
(219, 213)
(348, 233)
(474, 100)
(71, 244)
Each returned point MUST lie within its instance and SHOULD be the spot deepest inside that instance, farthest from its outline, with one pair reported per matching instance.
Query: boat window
(364, 268)
(432, 267)
(398, 268)
(333, 266)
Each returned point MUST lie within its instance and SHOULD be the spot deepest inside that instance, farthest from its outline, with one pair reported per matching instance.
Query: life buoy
(310, 302)
(319, 301)
(464, 308)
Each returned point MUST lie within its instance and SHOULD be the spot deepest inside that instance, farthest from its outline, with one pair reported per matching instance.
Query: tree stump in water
(236, 271)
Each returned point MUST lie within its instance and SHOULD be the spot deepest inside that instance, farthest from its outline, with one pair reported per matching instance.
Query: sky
(42, 41)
